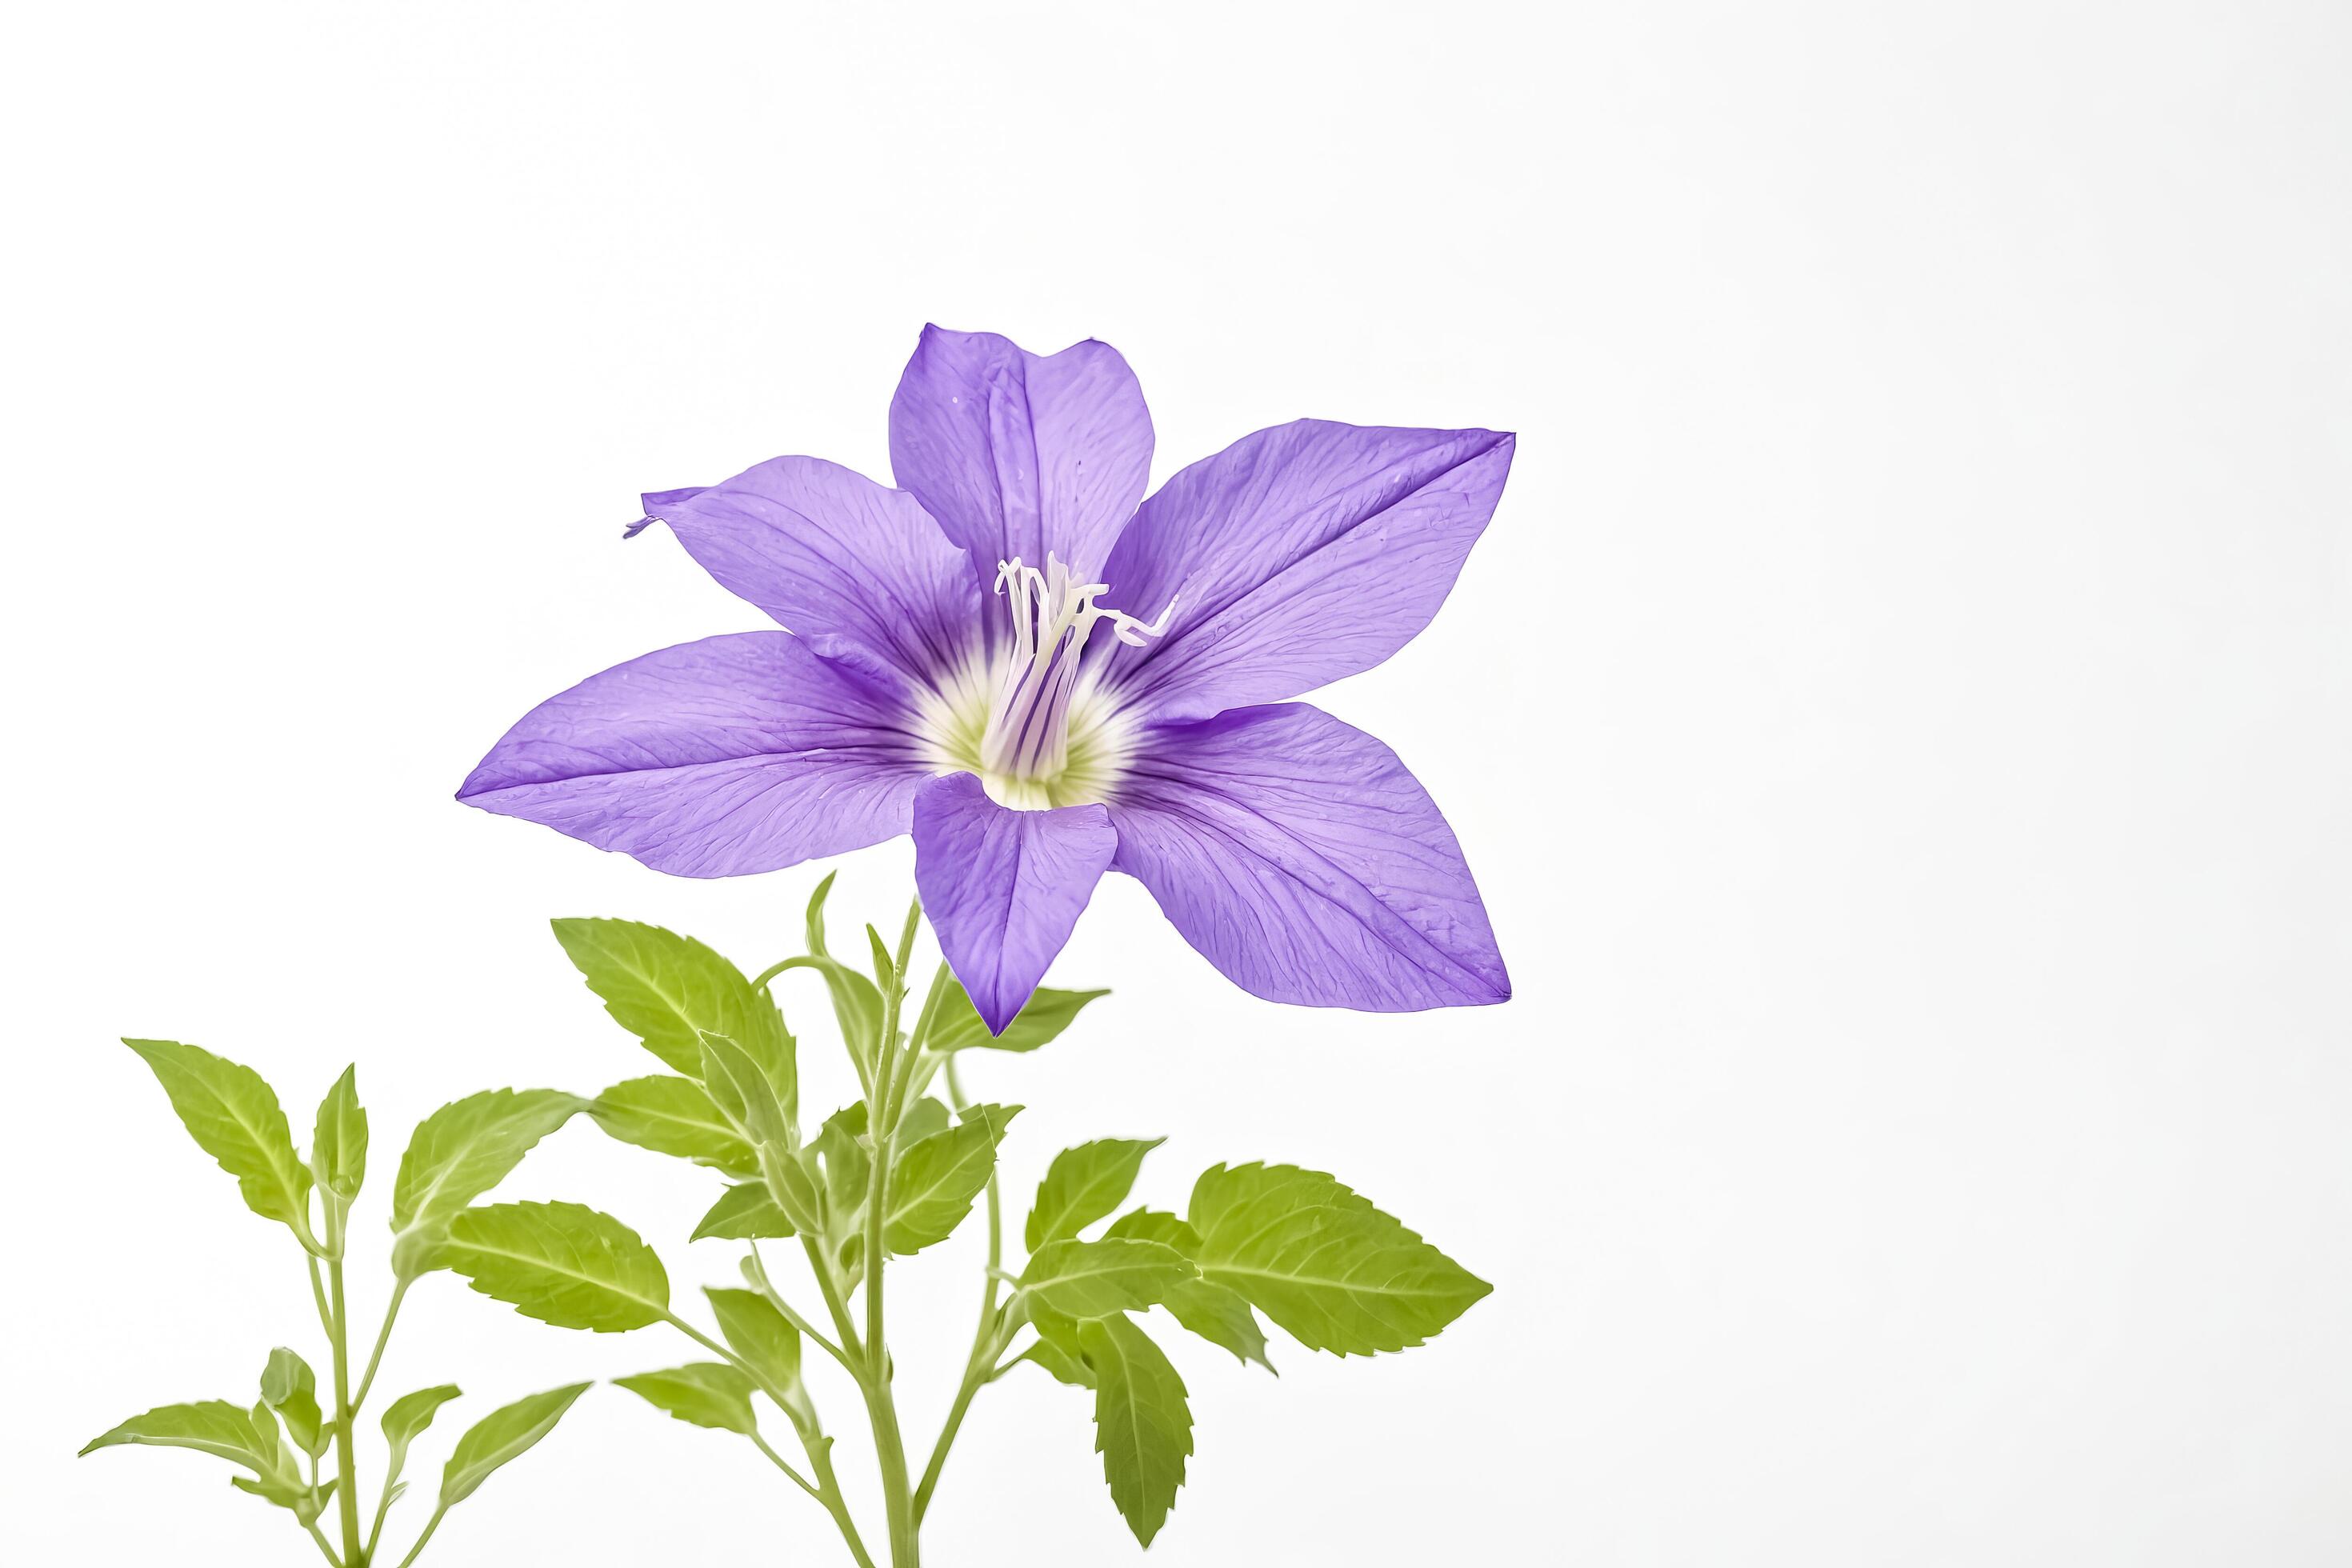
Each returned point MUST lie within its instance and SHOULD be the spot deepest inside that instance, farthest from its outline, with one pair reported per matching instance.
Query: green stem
(826, 1488)
(985, 1341)
(834, 1304)
(766, 1286)
(430, 1526)
(347, 1494)
(820, 1453)
(324, 1550)
(382, 1337)
(780, 1463)
(881, 1117)
(383, 1512)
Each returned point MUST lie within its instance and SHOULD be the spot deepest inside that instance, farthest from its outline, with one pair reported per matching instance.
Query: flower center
(1044, 737)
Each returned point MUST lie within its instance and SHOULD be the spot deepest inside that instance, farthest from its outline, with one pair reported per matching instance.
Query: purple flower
(1043, 680)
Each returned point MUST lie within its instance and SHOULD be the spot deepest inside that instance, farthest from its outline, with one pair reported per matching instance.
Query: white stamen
(1027, 735)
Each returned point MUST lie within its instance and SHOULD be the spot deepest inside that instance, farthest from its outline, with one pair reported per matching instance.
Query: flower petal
(1019, 454)
(1295, 556)
(1299, 857)
(1003, 888)
(734, 754)
(857, 569)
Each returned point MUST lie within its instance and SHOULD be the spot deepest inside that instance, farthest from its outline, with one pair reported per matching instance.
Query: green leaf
(265, 1432)
(1155, 1225)
(795, 1188)
(702, 1393)
(212, 1426)
(1333, 1272)
(768, 1344)
(667, 989)
(1219, 1315)
(1212, 1311)
(406, 1418)
(1083, 1184)
(1096, 1279)
(956, 1024)
(886, 973)
(287, 1492)
(920, 1120)
(499, 1436)
(338, 1139)
(561, 1264)
(857, 1005)
(234, 1116)
(674, 1116)
(459, 1152)
(744, 1213)
(743, 1093)
(932, 1184)
(1143, 1429)
(290, 1387)
(845, 1160)
(1059, 1363)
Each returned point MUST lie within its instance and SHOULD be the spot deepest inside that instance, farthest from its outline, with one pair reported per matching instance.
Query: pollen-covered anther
(1027, 737)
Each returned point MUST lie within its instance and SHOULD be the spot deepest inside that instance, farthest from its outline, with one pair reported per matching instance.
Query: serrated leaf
(741, 1092)
(560, 1263)
(702, 1393)
(461, 1152)
(1143, 1427)
(1218, 1314)
(1214, 1312)
(846, 1163)
(667, 989)
(406, 1418)
(920, 1120)
(1330, 1269)
(501, 1436)
(755, 1331)
(956, 1024)
(1083, 1184)
(1058, 1363)
(290, 1388)
(744, 1213)
(212, 1426)
(1095, 1278)
(339, 1138)
(234, 1116)
(674, 1116)
(933, 1183)
(1155, 1225)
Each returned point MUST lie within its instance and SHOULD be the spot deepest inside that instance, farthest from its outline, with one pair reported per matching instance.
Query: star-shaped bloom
(1043, 680)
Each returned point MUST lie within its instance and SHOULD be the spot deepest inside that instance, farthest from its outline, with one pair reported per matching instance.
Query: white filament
(1027, 735)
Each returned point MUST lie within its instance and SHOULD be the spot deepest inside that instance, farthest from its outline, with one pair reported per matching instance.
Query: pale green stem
(430, 1526)
(881, 1407)
(324, 1550)
(826, 1488)
(776, 1299)
(347, 1499)
(985, 1347)
(383, 1512)
(382, 1337)
(778, 1460)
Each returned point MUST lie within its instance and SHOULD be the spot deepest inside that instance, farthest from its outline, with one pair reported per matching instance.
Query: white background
(1898, 717)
